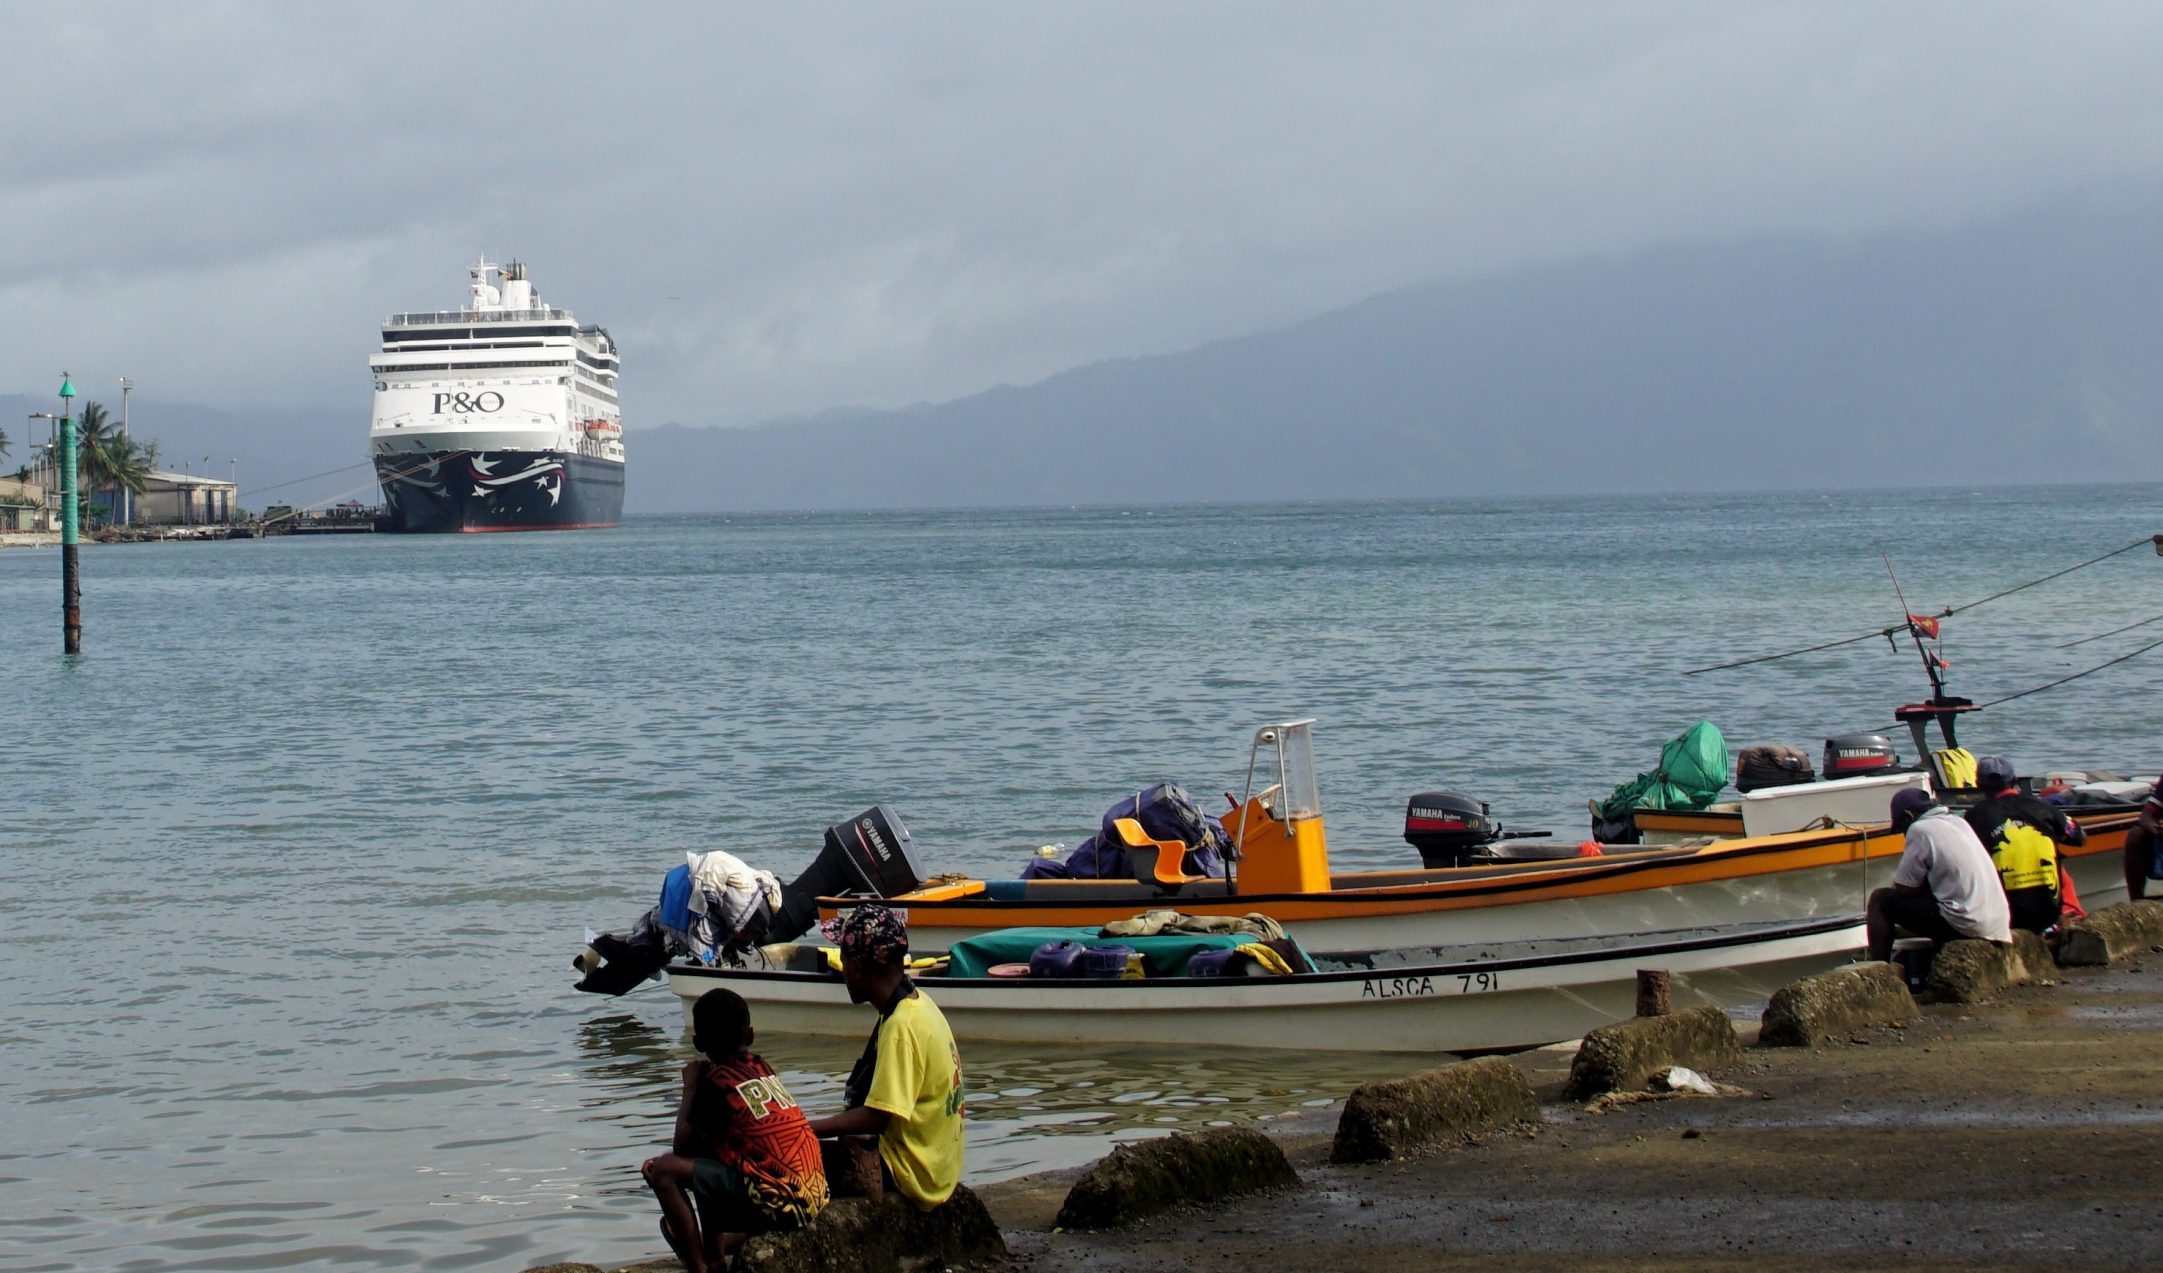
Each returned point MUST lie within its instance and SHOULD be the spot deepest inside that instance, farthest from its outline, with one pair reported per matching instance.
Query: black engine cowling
(1447, 828)
(870, 855)
(1855, 755)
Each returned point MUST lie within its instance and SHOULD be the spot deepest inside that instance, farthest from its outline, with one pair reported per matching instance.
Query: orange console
(1276, 856)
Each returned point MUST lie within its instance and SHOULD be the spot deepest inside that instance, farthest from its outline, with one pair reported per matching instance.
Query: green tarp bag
(1692, 772)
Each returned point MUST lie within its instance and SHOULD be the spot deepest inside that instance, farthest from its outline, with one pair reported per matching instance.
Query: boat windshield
(1302, 794)
(1296, 794)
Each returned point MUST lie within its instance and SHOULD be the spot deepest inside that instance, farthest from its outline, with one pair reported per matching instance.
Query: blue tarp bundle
(675, 906)
(1165, 812)
(1164, 956)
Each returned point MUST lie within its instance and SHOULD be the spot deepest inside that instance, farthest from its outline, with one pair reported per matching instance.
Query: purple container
(1211, 963)
(1105, 961)
(1057, 959)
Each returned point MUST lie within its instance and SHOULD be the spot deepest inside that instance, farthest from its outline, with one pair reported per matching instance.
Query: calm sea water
(293, 860)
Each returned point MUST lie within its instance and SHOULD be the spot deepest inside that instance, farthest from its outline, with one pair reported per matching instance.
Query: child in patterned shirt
(742, 1148)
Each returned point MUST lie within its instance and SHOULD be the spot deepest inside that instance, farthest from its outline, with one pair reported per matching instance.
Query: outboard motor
(1448, 829)
(1857, 755)
(870, 855)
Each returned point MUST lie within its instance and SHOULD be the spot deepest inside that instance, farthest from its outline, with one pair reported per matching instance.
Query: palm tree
(110, 461)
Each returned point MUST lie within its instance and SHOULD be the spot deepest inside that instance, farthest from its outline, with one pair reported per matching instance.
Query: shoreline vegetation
(2020, 1130)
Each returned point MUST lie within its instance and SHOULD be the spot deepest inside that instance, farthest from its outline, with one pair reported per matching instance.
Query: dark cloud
(780, 209)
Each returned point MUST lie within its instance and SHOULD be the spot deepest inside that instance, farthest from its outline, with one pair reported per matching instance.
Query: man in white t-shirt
(1946, 886)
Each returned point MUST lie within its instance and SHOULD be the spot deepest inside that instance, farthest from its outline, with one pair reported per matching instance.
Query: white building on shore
(185, 499)
(22, 506)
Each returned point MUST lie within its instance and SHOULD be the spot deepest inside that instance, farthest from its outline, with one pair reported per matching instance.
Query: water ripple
(295, 897)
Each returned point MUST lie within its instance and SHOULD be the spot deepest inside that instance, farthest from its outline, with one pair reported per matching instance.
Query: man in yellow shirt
(906, 1089)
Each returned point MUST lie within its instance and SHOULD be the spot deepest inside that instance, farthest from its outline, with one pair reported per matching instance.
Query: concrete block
(1152, 1175)
(1395, 1118)
(2111, 934)
(853, 1234)
(1623, 1056)
(1970, 971)
(1833, 1005)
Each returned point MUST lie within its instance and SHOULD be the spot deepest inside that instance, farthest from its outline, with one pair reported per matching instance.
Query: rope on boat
(2074, 677)
(1789, 654)
(2113, 632)
(1949, 611)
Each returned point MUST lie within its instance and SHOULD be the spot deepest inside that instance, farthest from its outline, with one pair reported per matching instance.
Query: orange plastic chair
(1162, 862)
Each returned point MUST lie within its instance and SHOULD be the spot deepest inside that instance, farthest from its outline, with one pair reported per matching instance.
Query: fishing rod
(1888, 633)
(1917, 625)
(1941, 707)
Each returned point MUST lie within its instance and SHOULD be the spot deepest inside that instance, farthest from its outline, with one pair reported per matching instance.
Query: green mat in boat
(1164, 956)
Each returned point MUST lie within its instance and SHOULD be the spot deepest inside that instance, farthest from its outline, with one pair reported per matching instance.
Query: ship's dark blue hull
(499, 490)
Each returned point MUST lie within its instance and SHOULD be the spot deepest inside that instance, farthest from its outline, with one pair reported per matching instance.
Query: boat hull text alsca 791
(499, 416)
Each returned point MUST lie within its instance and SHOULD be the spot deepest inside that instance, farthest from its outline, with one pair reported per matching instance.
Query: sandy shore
(2020, 1134)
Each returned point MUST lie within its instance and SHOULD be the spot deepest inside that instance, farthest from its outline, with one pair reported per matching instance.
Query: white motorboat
(1494, 996)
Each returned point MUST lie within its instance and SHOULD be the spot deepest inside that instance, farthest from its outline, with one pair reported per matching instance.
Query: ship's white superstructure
(481, 411)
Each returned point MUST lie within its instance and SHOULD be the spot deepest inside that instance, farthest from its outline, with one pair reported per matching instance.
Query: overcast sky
(785, 208)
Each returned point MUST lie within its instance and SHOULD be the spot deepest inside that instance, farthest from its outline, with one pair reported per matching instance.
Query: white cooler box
(1855, 801)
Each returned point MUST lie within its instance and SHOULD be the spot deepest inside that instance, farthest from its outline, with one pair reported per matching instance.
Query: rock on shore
(2112, 934)
(1834, 1005)
(1398, 1117)
(1148, 1176)
(1623, 1057)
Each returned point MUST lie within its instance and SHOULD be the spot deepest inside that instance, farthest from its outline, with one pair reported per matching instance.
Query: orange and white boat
(1699, 869)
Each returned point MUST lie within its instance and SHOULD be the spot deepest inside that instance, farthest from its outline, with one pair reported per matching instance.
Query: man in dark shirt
(2142, 858)
(2022, 833)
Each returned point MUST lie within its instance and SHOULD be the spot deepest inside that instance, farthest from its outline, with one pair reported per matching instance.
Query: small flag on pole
(1924, 624)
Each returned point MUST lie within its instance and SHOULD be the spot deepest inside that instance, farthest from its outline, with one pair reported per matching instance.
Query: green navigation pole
(71, 583)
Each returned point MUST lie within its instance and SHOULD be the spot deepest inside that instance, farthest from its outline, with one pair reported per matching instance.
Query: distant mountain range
(2026, 350)
(2020, 350)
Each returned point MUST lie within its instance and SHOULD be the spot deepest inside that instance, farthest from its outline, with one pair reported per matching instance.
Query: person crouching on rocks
(1945, 888)
(742, 1147)
(2023, 834)
(906, 1089)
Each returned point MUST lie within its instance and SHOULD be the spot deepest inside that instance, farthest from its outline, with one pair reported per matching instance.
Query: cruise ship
(498, 416)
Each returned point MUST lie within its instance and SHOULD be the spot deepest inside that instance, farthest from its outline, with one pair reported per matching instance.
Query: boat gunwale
(1771, 931)
(1539, 875)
